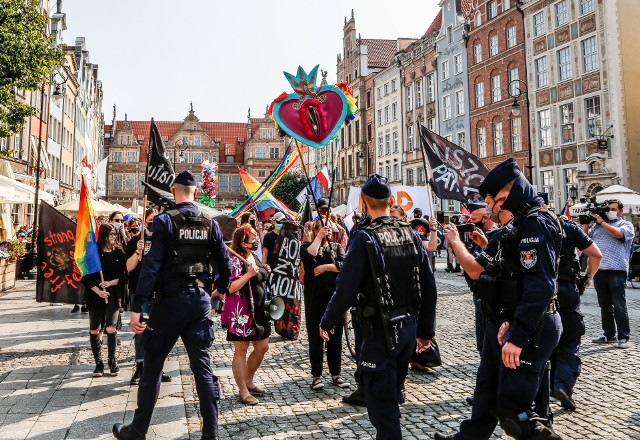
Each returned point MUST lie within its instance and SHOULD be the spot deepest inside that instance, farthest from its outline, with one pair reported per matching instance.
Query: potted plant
(10, 252)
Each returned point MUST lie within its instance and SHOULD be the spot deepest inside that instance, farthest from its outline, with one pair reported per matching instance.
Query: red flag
(324, 179)
(566, 211)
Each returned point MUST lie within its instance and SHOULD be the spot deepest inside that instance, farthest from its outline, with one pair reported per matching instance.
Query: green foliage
(288, 188)
(27, 58)
(14, 248)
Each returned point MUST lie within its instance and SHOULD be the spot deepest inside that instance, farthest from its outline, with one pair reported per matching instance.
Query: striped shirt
(615, 251)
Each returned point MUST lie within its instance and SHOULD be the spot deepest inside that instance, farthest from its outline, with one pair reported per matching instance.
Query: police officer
(565, 365)
(517, 293)
(387, 276)
(178, 266)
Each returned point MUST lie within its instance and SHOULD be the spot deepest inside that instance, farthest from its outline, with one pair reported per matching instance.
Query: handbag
(430, 357)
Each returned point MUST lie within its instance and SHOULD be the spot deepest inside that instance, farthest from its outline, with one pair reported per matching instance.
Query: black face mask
(479, 225)
(134, 230)
(149, 226)
(254, 246)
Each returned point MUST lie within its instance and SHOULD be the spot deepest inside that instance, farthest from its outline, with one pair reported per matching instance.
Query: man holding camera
(613, 235)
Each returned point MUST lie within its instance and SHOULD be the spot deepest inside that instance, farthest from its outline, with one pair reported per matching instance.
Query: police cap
(472, 206)
(377, 187)
(185, 178)
(498, 177)
(417, 211)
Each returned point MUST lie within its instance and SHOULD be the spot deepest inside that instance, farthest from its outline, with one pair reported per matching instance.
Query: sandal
(339, 382)
(316, 384)
(248, 400)
(256, 390)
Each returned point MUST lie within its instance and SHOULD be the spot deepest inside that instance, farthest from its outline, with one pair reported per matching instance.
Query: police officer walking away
(517, 292)
(178, 267)
(386, 274)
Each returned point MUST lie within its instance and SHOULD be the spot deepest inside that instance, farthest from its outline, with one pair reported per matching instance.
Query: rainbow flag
(268, 204)
(86, 251)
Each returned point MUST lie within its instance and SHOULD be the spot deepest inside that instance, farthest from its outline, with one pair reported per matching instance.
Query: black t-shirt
(325, 284)
(113, 266)
(132, 247)
(271, 243)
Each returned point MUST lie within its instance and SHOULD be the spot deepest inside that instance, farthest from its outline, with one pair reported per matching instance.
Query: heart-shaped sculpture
(311, 114)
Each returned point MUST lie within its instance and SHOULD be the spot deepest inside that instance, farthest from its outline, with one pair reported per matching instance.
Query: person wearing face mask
(117, 220)
(270, 241)
(613, 235)
(517, 292)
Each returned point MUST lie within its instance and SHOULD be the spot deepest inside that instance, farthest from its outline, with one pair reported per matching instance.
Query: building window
(542, 76)
(262, 173)
(420, 175)
(117, 182)
(431, 89)
(477, 53)
(595, 167)
(261, 152)
(564, 64)
(197, 141)
(592, 107)
(492, 9)
(410, 139)
(493, 45)
(513, 75)
(538, 24)
(459, 103)
(117, 157)
(516, 134)
(129, 183)
(450, 34)
(445, 69)
(396, 172)
(589, 55)
(586, 6)
(235, 183)
(457, 64)
(511, 37)
(446, 107)
(431, 124)
(229, 159)
(394, 111)
(380, 146)
(568, 129)
(386, 114)
(570, 179)
(379, 117)
(562, 13)
(544, 127)
(368, 98)
(548, 184)
(462, 139)
(409, 100)
(184, 158)
(496, 94)
(393, 85)
(369, 132)
(498, 145)
(379, 92)
(395, 141)
(197, 157)
(131, 157)
(387, 144)
(409, 177)
(274, 152)
(419, 93)
(479, 94)
(482, 142)
(386, 89)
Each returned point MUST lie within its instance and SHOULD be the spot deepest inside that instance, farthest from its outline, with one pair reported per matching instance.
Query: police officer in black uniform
(386, 274)
(517, 292)
(184, 245)
(565, 362)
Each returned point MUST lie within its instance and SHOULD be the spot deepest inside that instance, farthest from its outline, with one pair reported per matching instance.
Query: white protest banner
(408, 197)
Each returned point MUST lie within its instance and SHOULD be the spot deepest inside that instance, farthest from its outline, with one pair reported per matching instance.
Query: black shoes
(135, 379)
(166, 377)
(83, 309)
(357, 398)
(99, 371)
(438, 436)
(402, 396)
(469, 400)
(125, 432)
(75, 309)
(113, 367)
(565, 400)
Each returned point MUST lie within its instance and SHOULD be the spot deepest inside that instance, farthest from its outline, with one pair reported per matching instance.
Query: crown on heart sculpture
(311, 114)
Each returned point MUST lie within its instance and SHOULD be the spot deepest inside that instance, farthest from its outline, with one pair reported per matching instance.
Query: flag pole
(106, 300)
(333, 175)
(306, 174)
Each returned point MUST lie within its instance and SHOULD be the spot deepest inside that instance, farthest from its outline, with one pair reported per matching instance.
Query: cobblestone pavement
(47, 392)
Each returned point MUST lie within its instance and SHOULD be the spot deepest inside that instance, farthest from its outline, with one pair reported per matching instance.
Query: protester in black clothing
(270, 241)
(322, 261)
(103, 296)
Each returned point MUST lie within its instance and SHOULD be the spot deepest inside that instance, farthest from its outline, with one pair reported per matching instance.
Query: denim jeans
(610, 288)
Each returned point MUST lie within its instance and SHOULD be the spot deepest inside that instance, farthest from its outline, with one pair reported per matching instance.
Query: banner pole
(144, 223)
(306, 174)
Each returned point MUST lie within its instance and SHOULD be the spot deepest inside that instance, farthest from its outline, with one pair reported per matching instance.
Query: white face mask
(612, 215)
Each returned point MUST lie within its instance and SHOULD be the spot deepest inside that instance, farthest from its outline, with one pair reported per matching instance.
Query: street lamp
(182, 145)
(573, 193)
(515, 90)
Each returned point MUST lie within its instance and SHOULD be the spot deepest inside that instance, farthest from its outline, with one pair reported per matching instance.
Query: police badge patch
(529, 258)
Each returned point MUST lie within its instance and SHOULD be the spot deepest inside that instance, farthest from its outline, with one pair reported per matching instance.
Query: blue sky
(155, 56)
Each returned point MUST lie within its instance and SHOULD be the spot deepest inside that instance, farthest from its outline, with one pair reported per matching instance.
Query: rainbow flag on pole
(268, 204)
(86, 251)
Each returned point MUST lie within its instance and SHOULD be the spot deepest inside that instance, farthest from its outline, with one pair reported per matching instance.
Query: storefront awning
(21, 192)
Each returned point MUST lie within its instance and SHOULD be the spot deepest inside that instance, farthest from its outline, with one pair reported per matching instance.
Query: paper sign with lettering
(408, 197)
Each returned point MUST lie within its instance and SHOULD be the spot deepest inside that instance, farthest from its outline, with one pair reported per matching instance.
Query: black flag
(160, 172)
(58, 276)
(456, 173)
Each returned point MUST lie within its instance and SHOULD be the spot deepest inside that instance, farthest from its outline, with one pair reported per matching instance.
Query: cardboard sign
(408, 197)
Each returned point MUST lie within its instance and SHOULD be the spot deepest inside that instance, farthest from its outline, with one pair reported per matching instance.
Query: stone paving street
(47, 392)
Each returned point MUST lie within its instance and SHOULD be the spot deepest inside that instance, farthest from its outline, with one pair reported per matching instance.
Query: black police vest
(191, 246)
(400, 279)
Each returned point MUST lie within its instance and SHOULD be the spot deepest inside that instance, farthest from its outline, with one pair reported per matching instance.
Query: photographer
(613, 235)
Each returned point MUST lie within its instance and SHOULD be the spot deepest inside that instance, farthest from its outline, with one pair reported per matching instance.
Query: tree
(288, 188)
(27, 59)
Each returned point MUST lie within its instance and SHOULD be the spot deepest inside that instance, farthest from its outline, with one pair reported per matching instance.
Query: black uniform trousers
(565, 363)
(499, 388)
(188, 316)
(382, 374)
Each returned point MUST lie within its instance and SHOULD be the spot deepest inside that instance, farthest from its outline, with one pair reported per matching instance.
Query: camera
(593, 207)
(461, 223)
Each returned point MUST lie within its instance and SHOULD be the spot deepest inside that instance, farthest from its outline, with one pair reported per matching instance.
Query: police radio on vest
(193, 234)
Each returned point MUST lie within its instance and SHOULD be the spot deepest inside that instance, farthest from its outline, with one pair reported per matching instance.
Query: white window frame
(511, 37)
(561, 12)
(498, 139)
(590, 60)
(513, 75)
(419, 93)
(445, 70)
(410, 138)
(586, 6)
(460, 103)
(407, 90)
(395, 142)
(394, 111)
(457, 64)
(538, 24)
(565, 71)
(496, 93)
(479, 89)
(492, 9)
(544, 127)
(591, 116)
(431, 88)
(542, 71)
(446, 107)
(481, 134)
(516, 134)
(477, 53)
(493, 46)
(567, 122)
(462, 139)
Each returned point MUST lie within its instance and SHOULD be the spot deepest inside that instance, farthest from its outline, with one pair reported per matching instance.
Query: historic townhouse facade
(360, 58)
(497, 76)
(264, 149)
(569, 91)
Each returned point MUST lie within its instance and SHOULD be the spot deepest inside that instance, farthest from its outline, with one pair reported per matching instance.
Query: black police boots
(126, 432)
(135, 379)
(97, 355)
(565, 399)
(357, 398)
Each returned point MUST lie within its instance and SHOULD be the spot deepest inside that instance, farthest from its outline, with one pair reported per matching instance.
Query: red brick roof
(435, 25)
(464, 7)
(380, 52)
